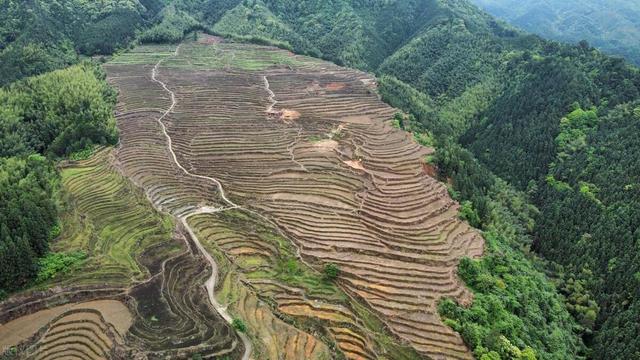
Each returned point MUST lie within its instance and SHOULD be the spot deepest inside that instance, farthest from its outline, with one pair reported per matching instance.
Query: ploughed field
(241, 171)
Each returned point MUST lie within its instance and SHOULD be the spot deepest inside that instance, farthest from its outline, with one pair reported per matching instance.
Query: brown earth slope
(307, 146)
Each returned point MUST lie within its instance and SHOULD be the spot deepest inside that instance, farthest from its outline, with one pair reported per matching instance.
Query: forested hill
(538, 139)
(37, 36)
(612, 25)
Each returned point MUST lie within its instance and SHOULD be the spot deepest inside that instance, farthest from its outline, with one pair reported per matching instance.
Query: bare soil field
(113, 313)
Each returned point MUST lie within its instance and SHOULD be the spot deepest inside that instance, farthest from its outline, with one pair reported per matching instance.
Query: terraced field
(241, 171)
(308, 149)
(139, 293)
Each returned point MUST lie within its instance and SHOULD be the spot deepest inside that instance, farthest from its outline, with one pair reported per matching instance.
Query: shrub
(331, 271)
(239, 325)
(58, 263)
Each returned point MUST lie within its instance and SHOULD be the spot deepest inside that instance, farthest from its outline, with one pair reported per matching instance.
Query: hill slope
(542, 115)
(503, 95)
(611, 26)
(37, 36)
(309, 171)
(310, 165)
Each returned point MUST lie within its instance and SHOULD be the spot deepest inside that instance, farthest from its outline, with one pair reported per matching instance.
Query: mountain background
(612, 26)
(538, 139)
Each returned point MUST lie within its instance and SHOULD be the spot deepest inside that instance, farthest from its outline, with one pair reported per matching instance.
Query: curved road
(213, 279)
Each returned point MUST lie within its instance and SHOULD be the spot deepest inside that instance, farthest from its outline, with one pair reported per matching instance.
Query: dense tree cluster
(517, 311)
(612, 26)
(172, 28)
(57, 113)
(42, 118)
(27, 216)
(590, 205)
(37, 36)
(355, 33)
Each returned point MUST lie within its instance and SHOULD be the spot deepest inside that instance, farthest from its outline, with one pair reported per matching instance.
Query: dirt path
(210, 284)
(213, 279)
(272, 95)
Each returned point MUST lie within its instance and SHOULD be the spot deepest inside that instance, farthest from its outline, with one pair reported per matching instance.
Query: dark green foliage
(110, 33)
(444, 60)
(469, 214)
(212, 11)
(579, 298)
(239, 325)
(517, 312)
(173, 27)
(18, 61)
(153, 6)
(256, 21)
(516, 136)
(613, 26)
(330, 272)
(403, 96)
(37, 36)
(27, 214)
(356, 33)
(53, 114)
(57, 113)
(594, 217)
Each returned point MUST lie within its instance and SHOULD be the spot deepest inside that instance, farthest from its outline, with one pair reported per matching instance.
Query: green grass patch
(55, 264)
(83, 154)
(108, 219)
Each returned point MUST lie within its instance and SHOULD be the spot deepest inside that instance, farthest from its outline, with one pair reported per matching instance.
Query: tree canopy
(41, 119)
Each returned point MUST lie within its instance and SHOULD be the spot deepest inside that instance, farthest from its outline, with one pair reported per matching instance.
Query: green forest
(38, 36)
(538, 140)
(43, 119)
(612, 26)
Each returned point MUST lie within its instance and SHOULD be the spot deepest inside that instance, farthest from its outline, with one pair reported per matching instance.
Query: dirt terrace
(147, 268)
(342, 183)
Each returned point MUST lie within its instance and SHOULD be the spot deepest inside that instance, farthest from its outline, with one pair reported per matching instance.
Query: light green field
(110, 220)
(227, 56)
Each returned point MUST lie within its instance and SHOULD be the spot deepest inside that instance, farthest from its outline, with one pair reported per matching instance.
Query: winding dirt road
(210, 284)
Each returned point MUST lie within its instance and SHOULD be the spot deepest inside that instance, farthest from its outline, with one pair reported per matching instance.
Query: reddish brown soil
(335, 86)
(289, 115)
(207, 39)
(430, 170)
